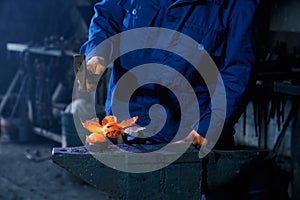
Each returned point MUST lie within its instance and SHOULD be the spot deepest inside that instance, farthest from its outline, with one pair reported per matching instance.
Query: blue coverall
(223, 27)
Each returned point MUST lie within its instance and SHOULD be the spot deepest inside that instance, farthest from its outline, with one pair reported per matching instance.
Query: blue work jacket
(223, 27)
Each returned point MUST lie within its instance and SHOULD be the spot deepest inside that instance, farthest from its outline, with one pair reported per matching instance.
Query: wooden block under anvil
(183, 179)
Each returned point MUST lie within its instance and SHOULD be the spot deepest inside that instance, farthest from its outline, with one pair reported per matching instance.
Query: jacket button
(201, 47)
(134, 11)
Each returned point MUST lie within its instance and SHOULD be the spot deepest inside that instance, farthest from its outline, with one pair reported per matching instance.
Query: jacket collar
(221, 3)
(127, 4)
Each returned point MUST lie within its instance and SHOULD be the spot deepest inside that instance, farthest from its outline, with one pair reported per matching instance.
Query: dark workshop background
(43, 26)
(35, 20)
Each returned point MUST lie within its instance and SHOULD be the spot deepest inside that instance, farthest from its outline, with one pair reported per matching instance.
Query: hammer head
(79, 65)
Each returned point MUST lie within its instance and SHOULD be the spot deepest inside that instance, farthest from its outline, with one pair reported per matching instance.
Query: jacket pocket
(214, 42)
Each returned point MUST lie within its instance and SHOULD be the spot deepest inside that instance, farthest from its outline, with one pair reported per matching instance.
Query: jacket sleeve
(239, 57)
(105, 23)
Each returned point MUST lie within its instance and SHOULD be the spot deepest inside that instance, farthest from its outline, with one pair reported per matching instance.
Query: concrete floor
(22, 179)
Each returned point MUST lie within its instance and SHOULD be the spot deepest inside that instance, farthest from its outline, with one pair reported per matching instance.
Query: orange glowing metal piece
(96, 138)
(128, 122)
(92, 125)
(109, 128)
(109, 118)
(112, 126)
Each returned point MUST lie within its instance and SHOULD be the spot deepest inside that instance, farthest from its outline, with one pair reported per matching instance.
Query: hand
(195, 138)
(96, 65)
(95, 69)
(198, 139)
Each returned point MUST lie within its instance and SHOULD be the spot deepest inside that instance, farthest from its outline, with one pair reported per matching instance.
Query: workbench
(42, 68)
(37, 84)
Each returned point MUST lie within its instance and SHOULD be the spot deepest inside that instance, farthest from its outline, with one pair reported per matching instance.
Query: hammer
(80, 70)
